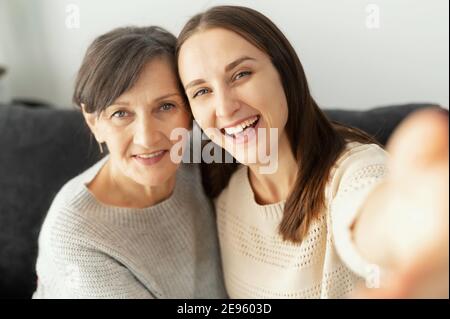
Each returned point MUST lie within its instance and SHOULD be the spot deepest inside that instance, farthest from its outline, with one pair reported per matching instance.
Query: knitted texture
(169, 250)
(257, 263)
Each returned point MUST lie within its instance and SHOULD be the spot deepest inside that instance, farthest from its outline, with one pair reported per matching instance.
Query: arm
(71, 268)
(403, 224)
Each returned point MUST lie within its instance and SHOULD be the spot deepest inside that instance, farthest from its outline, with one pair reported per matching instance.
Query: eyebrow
(166, 96)
(236, 62)
(228, 68)
(163, 97)
(194, 83)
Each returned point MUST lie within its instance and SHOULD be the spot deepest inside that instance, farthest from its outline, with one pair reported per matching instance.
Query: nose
(226, 103)
(146, 132)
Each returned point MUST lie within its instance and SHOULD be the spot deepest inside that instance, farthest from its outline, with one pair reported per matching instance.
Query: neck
(113, 188)
(276, 187)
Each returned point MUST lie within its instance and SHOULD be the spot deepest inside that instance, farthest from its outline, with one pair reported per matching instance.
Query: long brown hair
(315, 141)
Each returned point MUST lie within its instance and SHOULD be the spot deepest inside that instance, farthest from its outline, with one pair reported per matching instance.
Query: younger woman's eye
(200, 92)
(242, 74)
(166, 107)
(119, 114)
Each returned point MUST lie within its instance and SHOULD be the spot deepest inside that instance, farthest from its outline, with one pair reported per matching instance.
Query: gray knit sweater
(170, 250)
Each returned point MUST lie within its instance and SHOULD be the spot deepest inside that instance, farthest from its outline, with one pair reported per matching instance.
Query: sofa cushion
(41, 149)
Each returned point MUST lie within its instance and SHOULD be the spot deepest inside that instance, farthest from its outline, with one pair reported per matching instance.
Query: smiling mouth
(150, 155)
(241, 128)
(150, 159)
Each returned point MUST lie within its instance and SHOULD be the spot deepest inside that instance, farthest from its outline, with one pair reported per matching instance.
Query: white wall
(348, 64)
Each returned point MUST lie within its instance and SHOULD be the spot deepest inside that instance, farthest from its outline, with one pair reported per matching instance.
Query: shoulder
(358, 165)
(72, 240)
(357, 156)
(358, 169)
(69, 216)
(67, 227)
(189, 196)
(75, 188)
(189, 180)
(67, 241)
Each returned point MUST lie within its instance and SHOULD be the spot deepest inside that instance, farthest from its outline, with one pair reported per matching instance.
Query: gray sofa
(42, 148)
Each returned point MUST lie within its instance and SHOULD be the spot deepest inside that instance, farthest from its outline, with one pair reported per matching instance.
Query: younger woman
(325, 218)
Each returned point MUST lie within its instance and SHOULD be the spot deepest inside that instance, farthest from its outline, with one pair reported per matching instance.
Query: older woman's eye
(200, 93)
(242, 74)
(119, 114)
(166, 107)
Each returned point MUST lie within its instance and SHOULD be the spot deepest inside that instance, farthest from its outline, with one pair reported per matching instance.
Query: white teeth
(241, 126)
(150, 155)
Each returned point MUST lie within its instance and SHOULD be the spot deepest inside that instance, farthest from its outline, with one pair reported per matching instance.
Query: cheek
(204, 116)
(118, 142)
(117, 138)
(283, 109)
(181, 120)
(279, 103)
(271, 102)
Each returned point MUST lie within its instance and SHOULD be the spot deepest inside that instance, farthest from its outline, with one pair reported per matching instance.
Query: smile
(240, 129)
(150, 155)
(150, 158)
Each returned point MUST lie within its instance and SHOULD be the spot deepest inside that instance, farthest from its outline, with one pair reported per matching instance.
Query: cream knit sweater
(257, 263)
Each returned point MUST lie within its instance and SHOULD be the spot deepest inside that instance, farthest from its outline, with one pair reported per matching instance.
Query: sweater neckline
(133, 216)
(276, 210)
(270, 211)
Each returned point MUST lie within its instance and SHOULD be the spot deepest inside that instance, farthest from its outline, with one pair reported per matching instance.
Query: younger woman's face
(234, 87)
(137, 126)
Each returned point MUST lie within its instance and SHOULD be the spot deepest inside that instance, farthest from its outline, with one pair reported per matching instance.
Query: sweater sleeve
(356, 174)
(70, 267)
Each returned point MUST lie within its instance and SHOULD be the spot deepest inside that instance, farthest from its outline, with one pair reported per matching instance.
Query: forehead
(212, 49)
(157, 77)
(156, 73)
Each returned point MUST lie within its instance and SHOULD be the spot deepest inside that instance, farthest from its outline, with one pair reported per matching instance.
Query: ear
(92, 121)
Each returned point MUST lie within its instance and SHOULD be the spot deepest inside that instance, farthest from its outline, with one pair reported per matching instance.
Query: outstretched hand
(413, 232)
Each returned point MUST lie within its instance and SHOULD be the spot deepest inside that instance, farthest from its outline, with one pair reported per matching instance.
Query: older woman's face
(232, 86)
(137, 126)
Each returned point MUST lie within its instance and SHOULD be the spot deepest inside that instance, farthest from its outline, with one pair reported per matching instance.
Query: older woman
(133, 225)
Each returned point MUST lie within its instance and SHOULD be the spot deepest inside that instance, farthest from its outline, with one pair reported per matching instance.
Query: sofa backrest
(42, 148)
